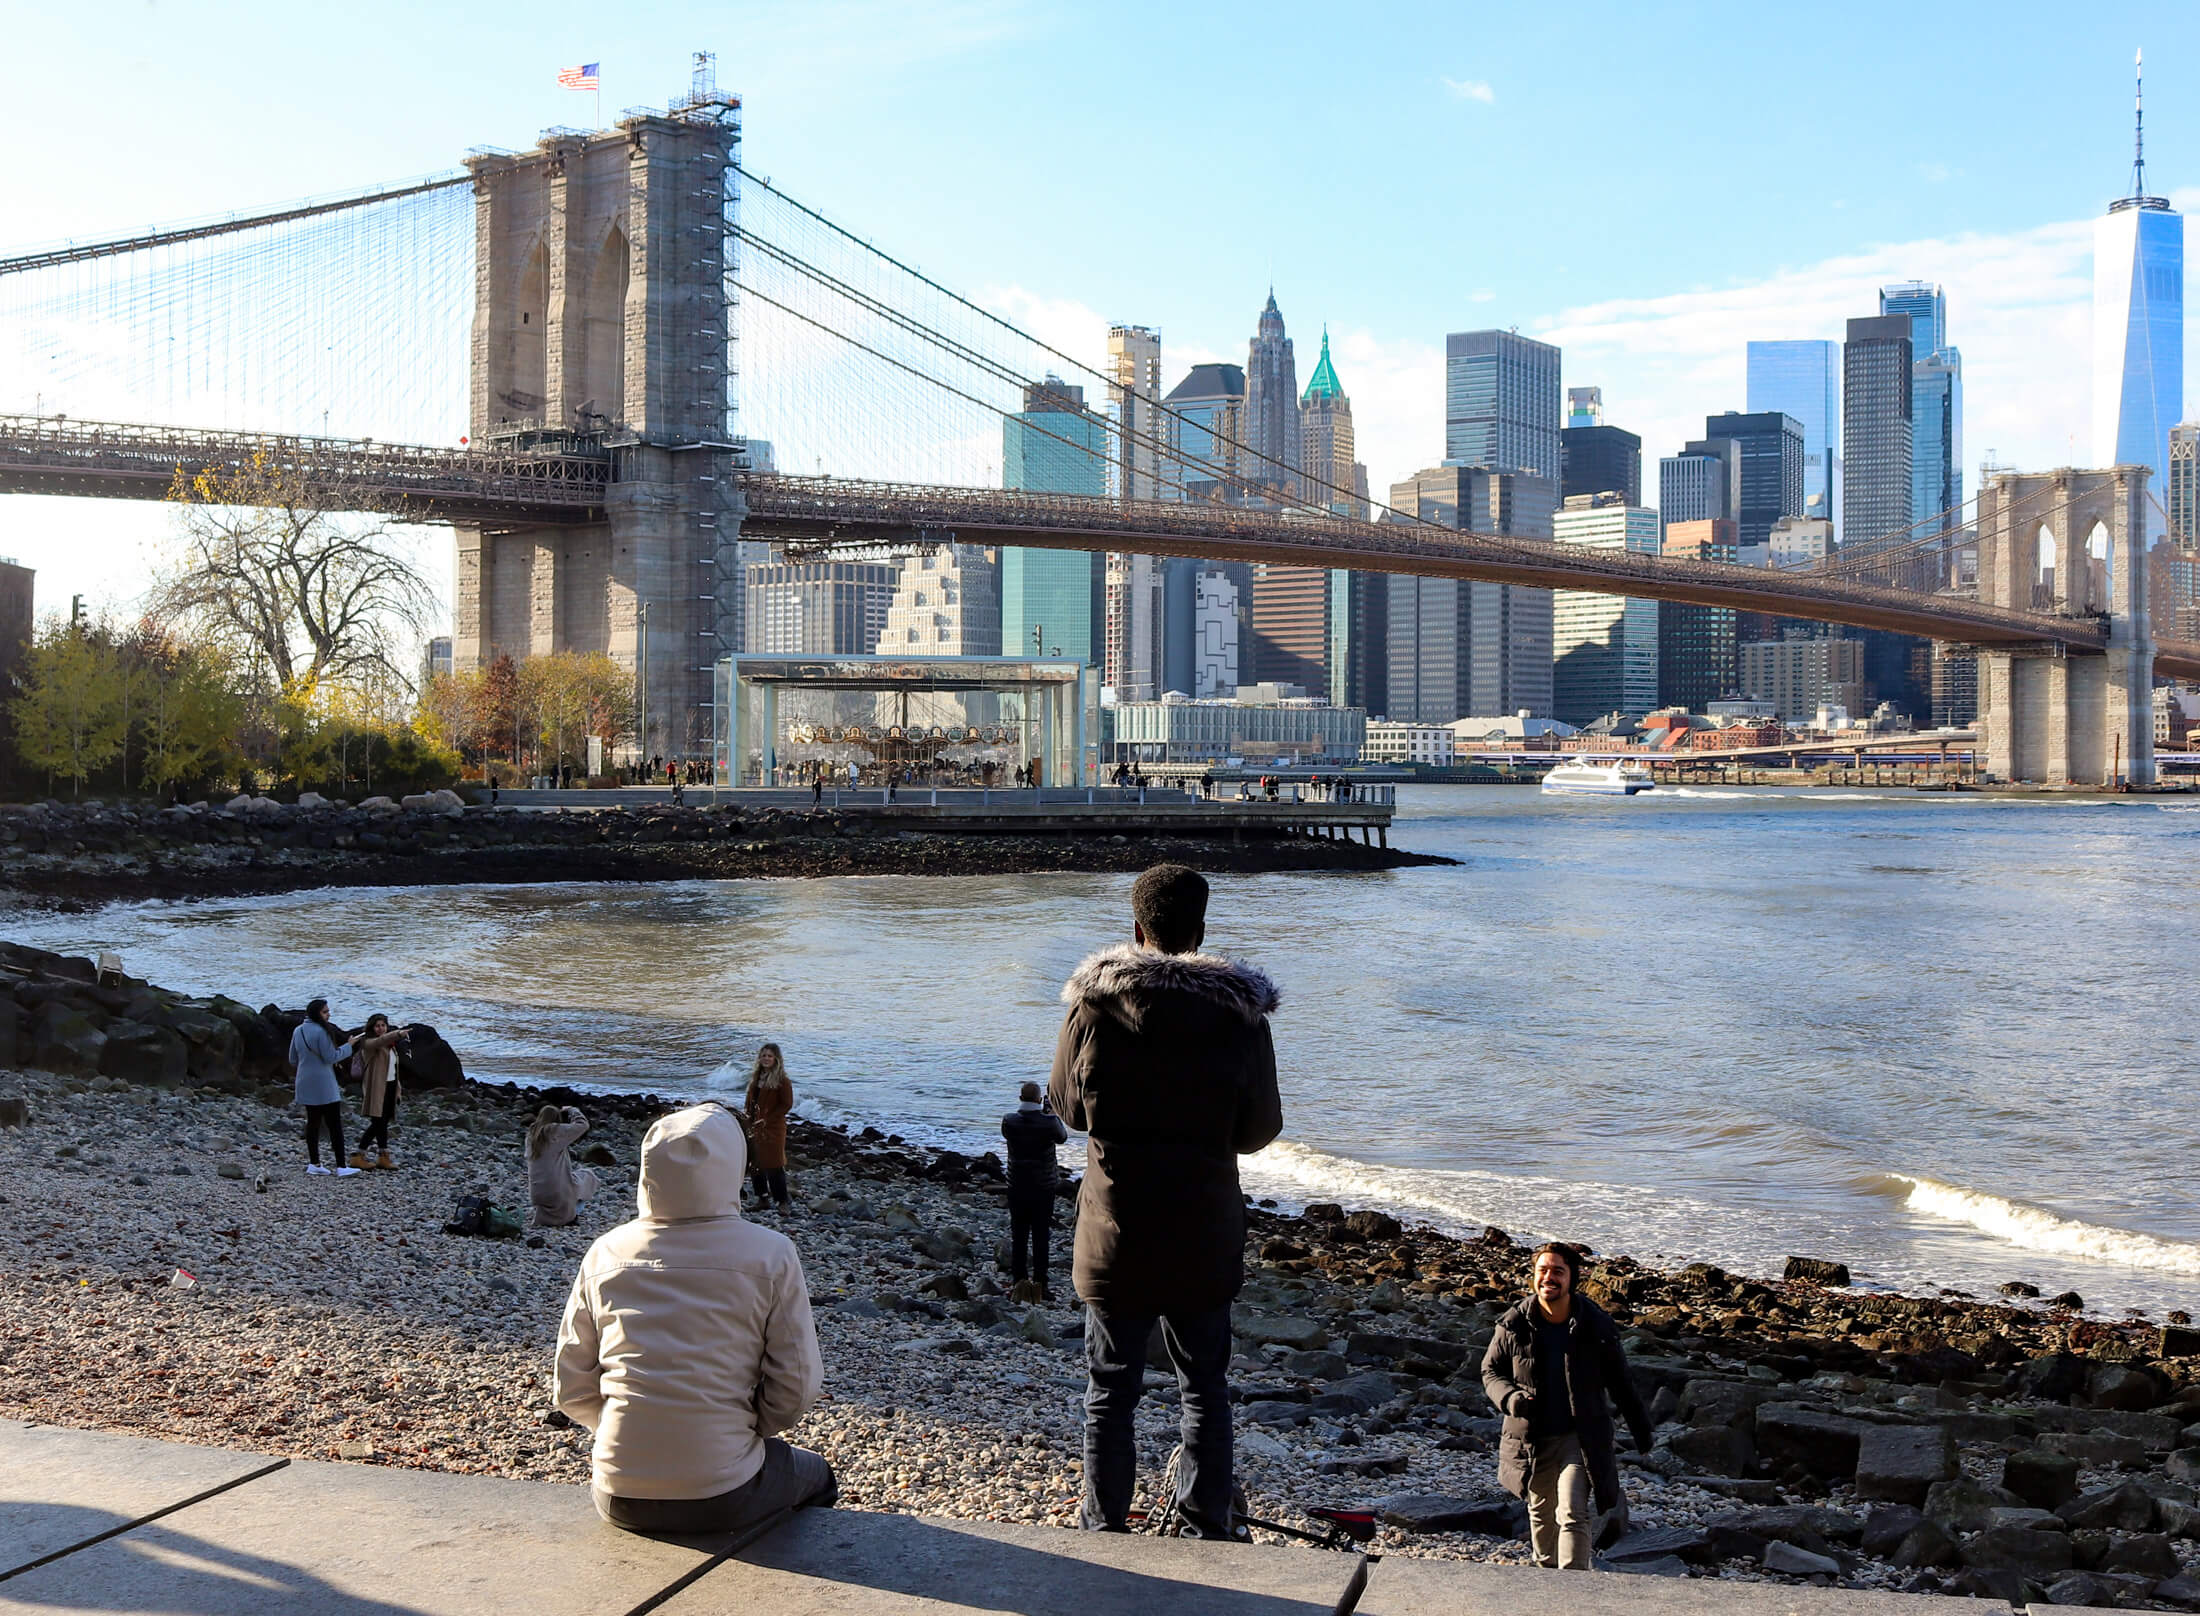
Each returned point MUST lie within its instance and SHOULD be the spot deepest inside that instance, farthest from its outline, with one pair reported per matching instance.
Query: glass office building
(1604, 647)
(1936, 404)
(1052, 600)
(2138, 336)
(1803, 379)
(1501, 403)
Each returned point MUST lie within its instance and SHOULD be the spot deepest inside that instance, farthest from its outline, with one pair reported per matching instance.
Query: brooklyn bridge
(652, 356)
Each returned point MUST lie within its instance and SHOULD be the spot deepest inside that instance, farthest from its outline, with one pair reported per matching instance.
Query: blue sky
(1650, 186)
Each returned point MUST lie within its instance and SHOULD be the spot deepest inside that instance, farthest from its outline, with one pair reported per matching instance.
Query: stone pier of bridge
(2073, 542)
(601, 322)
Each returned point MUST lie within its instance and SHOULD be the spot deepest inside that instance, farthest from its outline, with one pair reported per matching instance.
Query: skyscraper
(947, 602)
(817, 608)
(1291, 626)
(1936, 406)
(1703, 483)
(2181, 488)
(1272, 407)
(1501, 403)
(1468, 650)
(1876, 440)
(1052, 601)
(1205, 423)
(2138, 326)
(1769, 449)
(1696, 644)
(1131, 596)
(1803, 379)
(1594, 458)
(1604, 647)
(1334, 479)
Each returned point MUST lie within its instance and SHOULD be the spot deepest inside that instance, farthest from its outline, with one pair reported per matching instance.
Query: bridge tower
(2072, 542)
(601, 322)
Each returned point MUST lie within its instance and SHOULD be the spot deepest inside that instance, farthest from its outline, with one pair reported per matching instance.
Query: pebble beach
(156, 1288)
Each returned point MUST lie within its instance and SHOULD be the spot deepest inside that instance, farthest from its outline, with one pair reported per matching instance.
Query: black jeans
(770, 1184)
(1198, 1345)
(791, 1479)
(377, 1136)
(1030, 1218)
(325, 1118)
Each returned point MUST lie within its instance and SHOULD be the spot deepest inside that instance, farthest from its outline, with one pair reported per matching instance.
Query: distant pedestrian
(769, 1098)
(554, 1184)
(1551, 1362)
(817, 787)
(492, 791)
(688, 1346)
(1166, 1062)
(1032, 1132)
(314, 1053)
(374, 1063)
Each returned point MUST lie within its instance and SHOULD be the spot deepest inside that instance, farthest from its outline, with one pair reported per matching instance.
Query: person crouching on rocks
(554, 1184)
(374, 1063)
(1552, 1361)
(688, 1346)
(1032, 1132)
(314, 1052)
(770, 1097)
(1166, 1062)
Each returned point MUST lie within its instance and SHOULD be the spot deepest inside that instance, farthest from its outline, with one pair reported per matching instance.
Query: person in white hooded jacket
(688, 1346)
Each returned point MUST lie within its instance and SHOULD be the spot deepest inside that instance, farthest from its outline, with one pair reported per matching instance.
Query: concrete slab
(842, 1563)
(362, 1540)
(62, 1488)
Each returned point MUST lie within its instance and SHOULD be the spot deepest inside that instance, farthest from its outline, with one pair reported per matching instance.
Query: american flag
(580, 78)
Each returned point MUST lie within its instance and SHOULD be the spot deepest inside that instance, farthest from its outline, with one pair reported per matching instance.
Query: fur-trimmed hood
(1121, 981)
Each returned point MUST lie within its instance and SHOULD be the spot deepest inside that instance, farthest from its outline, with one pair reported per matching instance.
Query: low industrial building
(1391, 742)
(1267, 724)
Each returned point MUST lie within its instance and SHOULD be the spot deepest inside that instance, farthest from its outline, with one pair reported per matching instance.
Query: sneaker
(347, 1172)
(316, 1170)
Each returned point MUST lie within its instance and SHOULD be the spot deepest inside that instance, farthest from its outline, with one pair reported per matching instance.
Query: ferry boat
(1596, 780)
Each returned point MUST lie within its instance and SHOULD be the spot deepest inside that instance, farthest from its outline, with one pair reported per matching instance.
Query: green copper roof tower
(1323, 383)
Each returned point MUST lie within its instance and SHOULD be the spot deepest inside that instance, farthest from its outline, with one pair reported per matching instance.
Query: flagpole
(599, 101)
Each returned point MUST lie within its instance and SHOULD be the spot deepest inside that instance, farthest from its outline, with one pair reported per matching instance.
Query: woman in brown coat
(769, 1099)
(374, 1060)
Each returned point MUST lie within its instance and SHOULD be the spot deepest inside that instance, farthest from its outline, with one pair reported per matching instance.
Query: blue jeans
(1198, 1346)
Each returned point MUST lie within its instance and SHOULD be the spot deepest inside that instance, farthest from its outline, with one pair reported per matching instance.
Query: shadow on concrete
(156, 1567)
(983, 1567)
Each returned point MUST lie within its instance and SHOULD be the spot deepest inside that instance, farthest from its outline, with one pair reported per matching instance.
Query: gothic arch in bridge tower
(2073, 542)
(520, 399)
(602, 397)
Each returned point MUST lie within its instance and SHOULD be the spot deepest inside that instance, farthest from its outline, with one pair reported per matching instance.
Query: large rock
(1715, 1450)
(2053, 1378)
(1317, 1364)
(1822, 1443)
(1886, 1527)
(1722, 1402)
(63, 1039)
(2074, 1588)
(2097, 1448)
(1447, 1355)
(1371, 1386)
(1687, 1542)
(1923, 1545)
(1963, 1505)
(2183, 1591)
(215, 1048)
(2034, 1554)
(1789, 1560)
(1440, 1512)
(1373, 1226)
(137, 1053)
(425, 1061)
(1902, 1462)
(1299, 1331)
(2148, 1554)
(11, 1033)
(1793, 1522)
(2121, 1386)
(15, 1112)
(2043, 1479)
(1817, 1270)
(2125, 1508)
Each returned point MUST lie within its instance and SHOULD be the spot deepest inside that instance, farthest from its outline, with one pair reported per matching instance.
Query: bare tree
(265, 564)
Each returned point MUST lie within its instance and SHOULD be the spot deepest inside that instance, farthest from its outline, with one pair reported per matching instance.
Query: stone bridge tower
(601, 322)
(2072, 542)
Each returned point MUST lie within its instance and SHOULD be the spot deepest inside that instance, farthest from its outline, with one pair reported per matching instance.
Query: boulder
(1299, 1331)
(1373, 1226)
(2177, 1341)
(2148, 1554)
(15, 1111)
(1652, 1542)
(1371, 1386)
(1886, 1527)
(1816, 1270)
(137, 1053)
(2034, 1554)
(2080, 1588)
(1964, 1505)
(425, 1061)
(1923, 1545)
(1716, 1450)
(2128, 1507)
(2097, 1448)
(1440, 1512)
(64, 1040)
(1788, 1560)
(1275, 1413)
(2173, 1515)
(2055, 1377)
(2122, 1387)
(1902, 1462)
(11, 1033)
(1722, 1402)
(1793, 1433)
(1316, 1364)
(2183, 1591)
(1446, 1355)
(2003, 1586)
(2042, 1478)
(1792, 1522)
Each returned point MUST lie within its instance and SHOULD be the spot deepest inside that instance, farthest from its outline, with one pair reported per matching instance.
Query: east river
(1943, 1038)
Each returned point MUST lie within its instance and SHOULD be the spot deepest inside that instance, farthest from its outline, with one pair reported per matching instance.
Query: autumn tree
(71, 704)
(268, 567)
(570, 696)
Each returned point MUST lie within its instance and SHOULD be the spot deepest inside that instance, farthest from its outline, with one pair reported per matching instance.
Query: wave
(1785, 794)
(2034, 1228)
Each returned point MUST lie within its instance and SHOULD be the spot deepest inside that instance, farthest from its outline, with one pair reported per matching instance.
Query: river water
(1942, 1038)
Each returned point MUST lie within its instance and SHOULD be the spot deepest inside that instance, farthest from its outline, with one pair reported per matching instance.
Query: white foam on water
(2034, 1228)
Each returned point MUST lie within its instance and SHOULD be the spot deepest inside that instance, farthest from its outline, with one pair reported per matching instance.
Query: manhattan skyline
(868, 118)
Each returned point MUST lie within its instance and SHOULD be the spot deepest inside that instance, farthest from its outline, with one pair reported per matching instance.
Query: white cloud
(1470, 90)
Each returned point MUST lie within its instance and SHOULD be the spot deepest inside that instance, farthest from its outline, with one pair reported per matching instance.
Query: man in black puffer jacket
(1032, 1132)
(1165, 1061)
(1552, 1360)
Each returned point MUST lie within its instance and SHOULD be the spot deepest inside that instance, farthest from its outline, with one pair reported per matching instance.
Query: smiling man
(1552, 1361)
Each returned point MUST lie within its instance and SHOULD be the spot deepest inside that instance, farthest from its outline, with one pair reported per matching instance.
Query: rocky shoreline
(1806, 1431)
(78, 856)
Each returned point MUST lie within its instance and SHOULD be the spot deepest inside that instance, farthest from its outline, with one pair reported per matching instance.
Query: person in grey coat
(1553, 1360)
(554, 1184)
(314, 1052)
